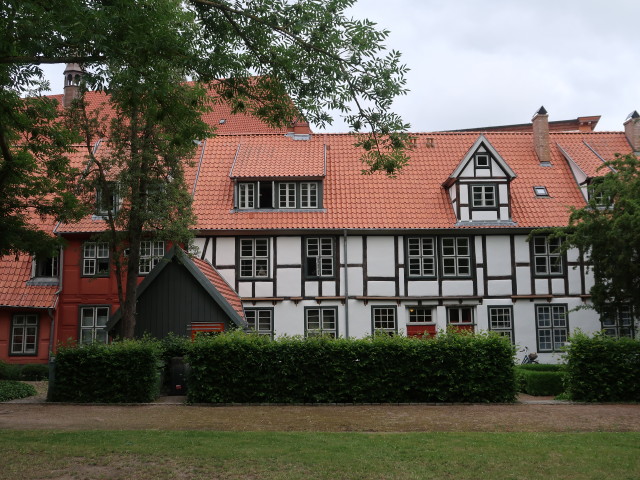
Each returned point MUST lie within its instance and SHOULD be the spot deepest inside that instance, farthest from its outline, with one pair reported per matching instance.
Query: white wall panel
(225, 251)
(451, 288)
(498, 255)
(380, 257)
(499, 287)
(423, 289)
(383, 289)
(289, 250)
(264, 289)
(289, 282)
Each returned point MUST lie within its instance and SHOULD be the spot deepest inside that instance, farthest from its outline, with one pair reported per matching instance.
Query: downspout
(346, 287)
(51, 309)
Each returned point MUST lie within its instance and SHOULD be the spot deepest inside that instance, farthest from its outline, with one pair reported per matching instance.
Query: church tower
(72, 76)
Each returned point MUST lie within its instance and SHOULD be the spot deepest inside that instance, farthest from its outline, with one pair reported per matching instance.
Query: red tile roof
(14, 291)
(590, 152)
(220, 284)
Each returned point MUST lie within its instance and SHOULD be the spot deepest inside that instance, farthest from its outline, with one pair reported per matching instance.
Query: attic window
(541, 191)
(482, 161)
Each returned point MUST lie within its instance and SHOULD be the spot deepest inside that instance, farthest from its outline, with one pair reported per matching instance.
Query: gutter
(346, 286)
(51, 310)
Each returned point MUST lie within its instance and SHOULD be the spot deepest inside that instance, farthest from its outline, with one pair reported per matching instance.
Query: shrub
(9, 371)
(34, 372)
(603, 369)
(11, 389)
(540, 382)
(238, 367)
(541, 367)
(123, 372)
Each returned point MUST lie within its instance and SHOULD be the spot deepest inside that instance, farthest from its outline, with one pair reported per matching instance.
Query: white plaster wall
(498, 255)
(359, 319)
(503, 191)
(329, 289)
(573, 255)
(380, 257)
(485, 215)
(457, 287)
(225, 251)
(356, 281)
(289, 251)
(522, 249)
(542, 286)
(523, 279)
(264, 289)
(288, 318)
(467, 171)
(229, 274)
(383, 289)
(480, 274)
(423, 288)
(504, 213)
(244, 289)
(499, 287)
(198, 244)
(311, 289)
(464, 193)
(289, 282)
(483, 172)
(464, 214)
(354, 247)
(575, 281)
(557, 286)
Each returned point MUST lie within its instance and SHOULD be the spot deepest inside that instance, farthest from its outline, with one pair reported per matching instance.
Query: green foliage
(9, 371)
(127, 371)
(541, 367)
(11, 390)
(607, 233)
(29, 372)
(540, 381)
(237, 367)
(603, 369)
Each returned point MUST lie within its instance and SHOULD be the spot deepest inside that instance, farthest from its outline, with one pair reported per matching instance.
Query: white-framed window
(287, 195)
(254, 257)
(421, 256)
(246, 195)
(384, 319)
(461, 318)
(95, 259)
(420, 314)
(260, 320)
(309, 195)
(547, 256)
(482, 160)
(93, 322)
(456, 256)
(619, 322)
(107, 200)
(319, 254)
(321, 321)
(421, 321)
(552, 327)
(46, 267)
(24, 334)
(151, 252)
(484, 196)
(501, 321)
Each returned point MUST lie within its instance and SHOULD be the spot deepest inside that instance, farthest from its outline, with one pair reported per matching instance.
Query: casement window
(24, 335)
(482, 160)
(151, 252)
(461, 318)
(421, 256)
(501, 321)
(618, 322)
(547, 257)
(456, 256)
(93, 322)
(254, 258)
(552, 327)
(269, 194)
(260, 320)
(384, 319)
(107, 200)
(421, 321)
(484, 196)
(46, 267)
(321, 321)
(95, 259)
(319, 253)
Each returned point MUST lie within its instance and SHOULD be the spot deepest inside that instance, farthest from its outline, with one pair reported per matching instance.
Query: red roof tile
(220, 284)
(14, 291)
(590, 152)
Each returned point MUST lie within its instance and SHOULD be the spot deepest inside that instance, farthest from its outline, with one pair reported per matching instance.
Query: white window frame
(421, 257)
(619, 322)
(23, 328)
(548, 260)
(456, 257)
(42, 267)
(552, 327)
(309, 194)
(484, 196)
(461, 316)
(151, 252)
(260, 320)
(486, 164)
(501, 321)
(93, 322)
(102, 209)
(246, 195)
(321, 321)
(321, 252)
(421, 315)
(95, 254)
(254, 257)
(286, 195)
(384, 318)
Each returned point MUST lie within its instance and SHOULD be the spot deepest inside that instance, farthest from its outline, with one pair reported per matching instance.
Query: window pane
(86, 317)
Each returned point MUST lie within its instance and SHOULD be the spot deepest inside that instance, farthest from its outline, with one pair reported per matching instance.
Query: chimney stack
(72, 76)
(541, 135)
(632, 131)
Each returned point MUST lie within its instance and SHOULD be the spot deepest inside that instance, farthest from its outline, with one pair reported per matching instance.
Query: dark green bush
(603, 369)
(236, 367)
(11, 389)
(541, 382)
(34, 372)
(9, 371)
(123, 372)
(541, 367)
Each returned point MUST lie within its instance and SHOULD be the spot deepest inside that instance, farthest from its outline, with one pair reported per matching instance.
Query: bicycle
(529, 357)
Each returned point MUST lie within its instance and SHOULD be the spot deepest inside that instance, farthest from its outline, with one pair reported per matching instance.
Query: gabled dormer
(479, 188)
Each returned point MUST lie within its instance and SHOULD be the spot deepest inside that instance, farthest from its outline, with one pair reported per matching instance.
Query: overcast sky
(495, 62)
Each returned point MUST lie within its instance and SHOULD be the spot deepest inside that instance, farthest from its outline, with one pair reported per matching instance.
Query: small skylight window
(222, 121)
(541, 191)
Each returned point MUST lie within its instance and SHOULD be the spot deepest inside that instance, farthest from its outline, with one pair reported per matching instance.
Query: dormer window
(107, 200)
(272, 194)
(482, 160)
(46, 267)
(483, 196)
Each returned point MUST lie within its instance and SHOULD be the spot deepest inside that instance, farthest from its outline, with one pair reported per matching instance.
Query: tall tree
(607, 233)
(279, 60)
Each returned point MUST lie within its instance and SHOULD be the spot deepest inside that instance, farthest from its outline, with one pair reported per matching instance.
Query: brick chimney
(541, 135)
(72, 76)
(632, 130)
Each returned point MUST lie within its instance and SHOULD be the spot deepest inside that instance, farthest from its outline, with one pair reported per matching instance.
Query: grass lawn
(335, 456)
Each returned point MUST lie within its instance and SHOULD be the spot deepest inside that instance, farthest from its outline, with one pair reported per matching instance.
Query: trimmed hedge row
(540, 381)
(122, 372)
(603, 369)
(29, 372)
(11, 389)
(237, 367)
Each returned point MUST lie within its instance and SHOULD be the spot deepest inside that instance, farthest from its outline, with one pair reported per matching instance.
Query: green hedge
(123, 372)
(540, 381)
(541, 367)
(29, 372)
(603, 369)
(237, 367)
(11, 389)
